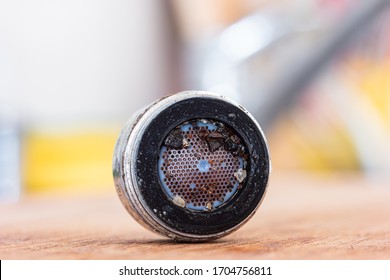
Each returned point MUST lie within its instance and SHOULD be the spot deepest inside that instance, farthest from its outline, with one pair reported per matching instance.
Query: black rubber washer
(241, 205)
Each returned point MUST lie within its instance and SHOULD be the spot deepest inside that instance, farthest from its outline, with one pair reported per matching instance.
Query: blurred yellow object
(311, 145)
(71, 162)
(375, 83)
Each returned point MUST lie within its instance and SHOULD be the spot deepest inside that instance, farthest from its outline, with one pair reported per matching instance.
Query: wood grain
(302, 217)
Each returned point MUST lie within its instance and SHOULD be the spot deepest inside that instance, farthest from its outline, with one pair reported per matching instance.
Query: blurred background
(72, 72)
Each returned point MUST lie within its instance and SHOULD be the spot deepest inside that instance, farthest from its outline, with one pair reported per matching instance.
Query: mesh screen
(202, 164)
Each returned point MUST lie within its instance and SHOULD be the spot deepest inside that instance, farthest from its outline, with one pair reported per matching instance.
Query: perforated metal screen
(202, 164)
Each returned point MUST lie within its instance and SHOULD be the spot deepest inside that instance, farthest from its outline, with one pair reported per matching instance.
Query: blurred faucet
(221, 64)
(265, 60)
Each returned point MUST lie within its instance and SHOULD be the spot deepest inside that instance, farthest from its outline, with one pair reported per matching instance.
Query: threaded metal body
(200, 173)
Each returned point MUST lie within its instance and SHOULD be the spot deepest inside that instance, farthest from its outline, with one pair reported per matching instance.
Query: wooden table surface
(302, 217)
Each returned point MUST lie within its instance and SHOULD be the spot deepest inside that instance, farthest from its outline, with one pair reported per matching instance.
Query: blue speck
(204, 165)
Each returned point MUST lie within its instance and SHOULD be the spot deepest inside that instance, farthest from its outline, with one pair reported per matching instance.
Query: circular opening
(202, 164)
